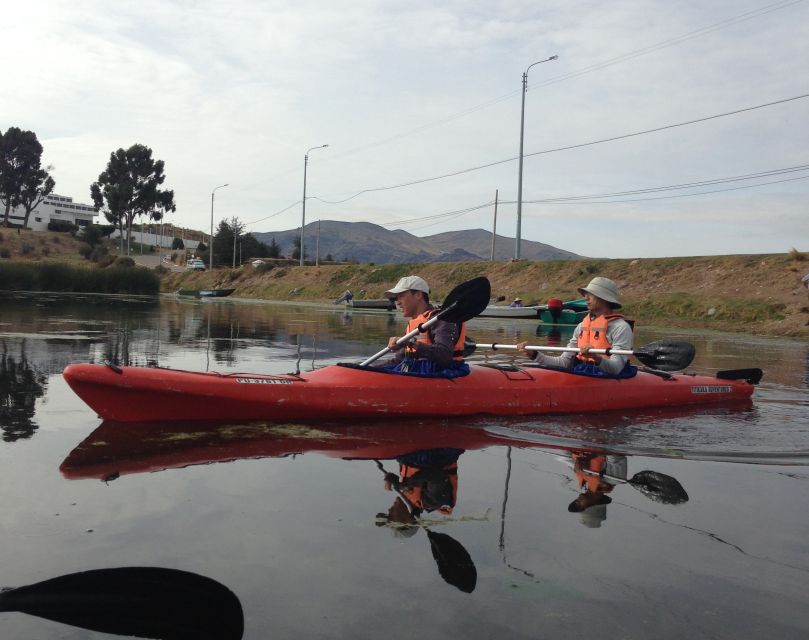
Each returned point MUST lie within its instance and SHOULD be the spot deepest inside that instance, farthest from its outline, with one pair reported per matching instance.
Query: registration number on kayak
(711, 389)
(263, 381)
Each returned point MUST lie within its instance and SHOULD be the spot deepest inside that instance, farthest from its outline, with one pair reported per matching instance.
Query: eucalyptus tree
(130, 188)
(23, 180)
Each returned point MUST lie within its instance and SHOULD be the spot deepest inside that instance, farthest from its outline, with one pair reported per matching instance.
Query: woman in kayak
(438, 351)
(603, 328)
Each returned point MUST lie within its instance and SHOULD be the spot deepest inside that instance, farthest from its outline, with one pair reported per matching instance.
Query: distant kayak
(495, 311)
(139, 394)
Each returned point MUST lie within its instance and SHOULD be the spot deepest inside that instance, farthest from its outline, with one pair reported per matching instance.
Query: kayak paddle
(463, 303)
(663, 355)
(145, 602)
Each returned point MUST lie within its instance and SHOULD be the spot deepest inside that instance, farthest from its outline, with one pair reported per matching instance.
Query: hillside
(759, 294)
(367, 242)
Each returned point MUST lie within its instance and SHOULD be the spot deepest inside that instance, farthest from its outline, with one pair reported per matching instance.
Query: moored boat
(205, 293)
(337, 392)
(496, 311)
(382, 304)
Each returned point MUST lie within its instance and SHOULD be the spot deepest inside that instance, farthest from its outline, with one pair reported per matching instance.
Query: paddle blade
(454, 563)
(659, 487)
(466, 300)
(666, 356)
(145, 602)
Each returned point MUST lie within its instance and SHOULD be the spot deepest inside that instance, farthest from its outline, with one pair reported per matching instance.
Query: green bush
(62, 226)
(177, 243)
(46, 251)
(27, 248)
(5, 253)
(124, 262)
(105, 260)
(161, 270)
(85, 250)
(264, 267)
(98, 252)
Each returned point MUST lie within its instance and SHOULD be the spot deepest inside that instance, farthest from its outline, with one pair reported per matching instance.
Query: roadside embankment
(759, 294)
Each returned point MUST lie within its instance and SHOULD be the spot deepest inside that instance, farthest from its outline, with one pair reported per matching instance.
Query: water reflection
(142, 602)
(21, 384)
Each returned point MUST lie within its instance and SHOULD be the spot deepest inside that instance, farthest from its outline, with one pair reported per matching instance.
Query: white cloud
(237, 93)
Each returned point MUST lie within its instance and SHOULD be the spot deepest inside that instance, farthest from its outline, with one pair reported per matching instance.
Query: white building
(55, 207)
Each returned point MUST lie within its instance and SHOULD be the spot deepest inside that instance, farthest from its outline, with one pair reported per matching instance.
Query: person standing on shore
(602, 328)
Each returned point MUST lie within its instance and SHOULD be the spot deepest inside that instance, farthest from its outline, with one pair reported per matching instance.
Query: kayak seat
(462, 369)
(588, 370)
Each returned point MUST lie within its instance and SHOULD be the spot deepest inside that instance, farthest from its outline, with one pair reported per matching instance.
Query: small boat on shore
(496, 311)
(382, 304)
(205, 293)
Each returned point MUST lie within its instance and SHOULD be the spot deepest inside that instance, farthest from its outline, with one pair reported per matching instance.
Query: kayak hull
(140, 394)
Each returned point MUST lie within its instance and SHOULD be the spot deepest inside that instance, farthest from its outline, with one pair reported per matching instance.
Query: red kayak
(139, 394)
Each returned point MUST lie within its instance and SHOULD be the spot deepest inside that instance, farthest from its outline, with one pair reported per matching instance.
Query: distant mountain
(367, 242)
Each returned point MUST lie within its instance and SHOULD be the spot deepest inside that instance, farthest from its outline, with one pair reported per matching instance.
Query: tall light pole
(210, 238)
(303, 215)
(522, 132)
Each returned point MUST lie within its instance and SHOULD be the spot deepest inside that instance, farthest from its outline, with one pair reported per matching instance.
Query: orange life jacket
(414, 494)
(590, 481)
(425, 338)
(594, 333)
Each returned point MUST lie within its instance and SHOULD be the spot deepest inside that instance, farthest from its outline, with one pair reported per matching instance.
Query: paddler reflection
(428, 483)
(593, 487)
(597, 474)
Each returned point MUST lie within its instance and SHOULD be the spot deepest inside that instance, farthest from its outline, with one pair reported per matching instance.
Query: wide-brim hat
(408, 283)
(603, 288)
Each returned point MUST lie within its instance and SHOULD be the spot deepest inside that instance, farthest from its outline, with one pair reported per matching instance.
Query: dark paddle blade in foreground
(666, 355)
(454, 562)
(145, 602)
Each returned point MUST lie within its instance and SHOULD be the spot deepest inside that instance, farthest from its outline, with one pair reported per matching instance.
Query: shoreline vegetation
(62, 278)
(756, 294)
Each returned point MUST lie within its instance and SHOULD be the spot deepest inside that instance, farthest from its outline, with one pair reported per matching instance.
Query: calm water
(302, 525)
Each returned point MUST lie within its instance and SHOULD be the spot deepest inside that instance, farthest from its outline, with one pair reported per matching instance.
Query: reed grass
(18, 276)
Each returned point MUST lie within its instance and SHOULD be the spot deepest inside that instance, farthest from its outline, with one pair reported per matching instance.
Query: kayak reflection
(144, 602)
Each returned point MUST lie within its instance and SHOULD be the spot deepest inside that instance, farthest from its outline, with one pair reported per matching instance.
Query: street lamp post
(522, 132)
(303, 215)
(210, 238)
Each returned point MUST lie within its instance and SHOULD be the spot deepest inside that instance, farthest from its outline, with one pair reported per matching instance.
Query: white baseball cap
(408, 283)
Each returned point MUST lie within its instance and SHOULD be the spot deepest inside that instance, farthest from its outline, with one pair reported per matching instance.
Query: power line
(749, 15)
(272, 215)
(582, 198)
(566, 148)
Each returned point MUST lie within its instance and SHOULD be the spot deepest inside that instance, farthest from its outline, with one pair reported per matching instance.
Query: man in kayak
(517, 303)
(436, 351)
(603, 328)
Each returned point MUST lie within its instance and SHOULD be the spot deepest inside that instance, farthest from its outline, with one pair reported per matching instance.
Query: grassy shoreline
(759, 294)
(64, 278)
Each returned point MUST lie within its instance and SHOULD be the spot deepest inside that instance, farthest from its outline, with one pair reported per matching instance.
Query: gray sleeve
(619, 335)
(566, 360)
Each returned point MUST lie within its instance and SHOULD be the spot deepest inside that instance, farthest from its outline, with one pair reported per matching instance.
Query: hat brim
(606, 298)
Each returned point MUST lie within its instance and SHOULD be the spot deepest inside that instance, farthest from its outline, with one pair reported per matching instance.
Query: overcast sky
(237, 92)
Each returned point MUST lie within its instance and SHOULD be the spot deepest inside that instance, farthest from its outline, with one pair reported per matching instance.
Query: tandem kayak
(141, 394)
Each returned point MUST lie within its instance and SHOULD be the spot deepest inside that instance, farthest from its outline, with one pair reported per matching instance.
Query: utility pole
(317, 246)
(494, 226)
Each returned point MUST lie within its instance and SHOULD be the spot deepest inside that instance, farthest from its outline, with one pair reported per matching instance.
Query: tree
(296, 252)
(129, 188)
(273, 251)
(23, 180)
(236, 227)
(177, 243)
(328, 258)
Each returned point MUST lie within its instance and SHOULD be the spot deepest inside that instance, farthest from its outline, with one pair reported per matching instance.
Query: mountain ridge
(369, 242)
